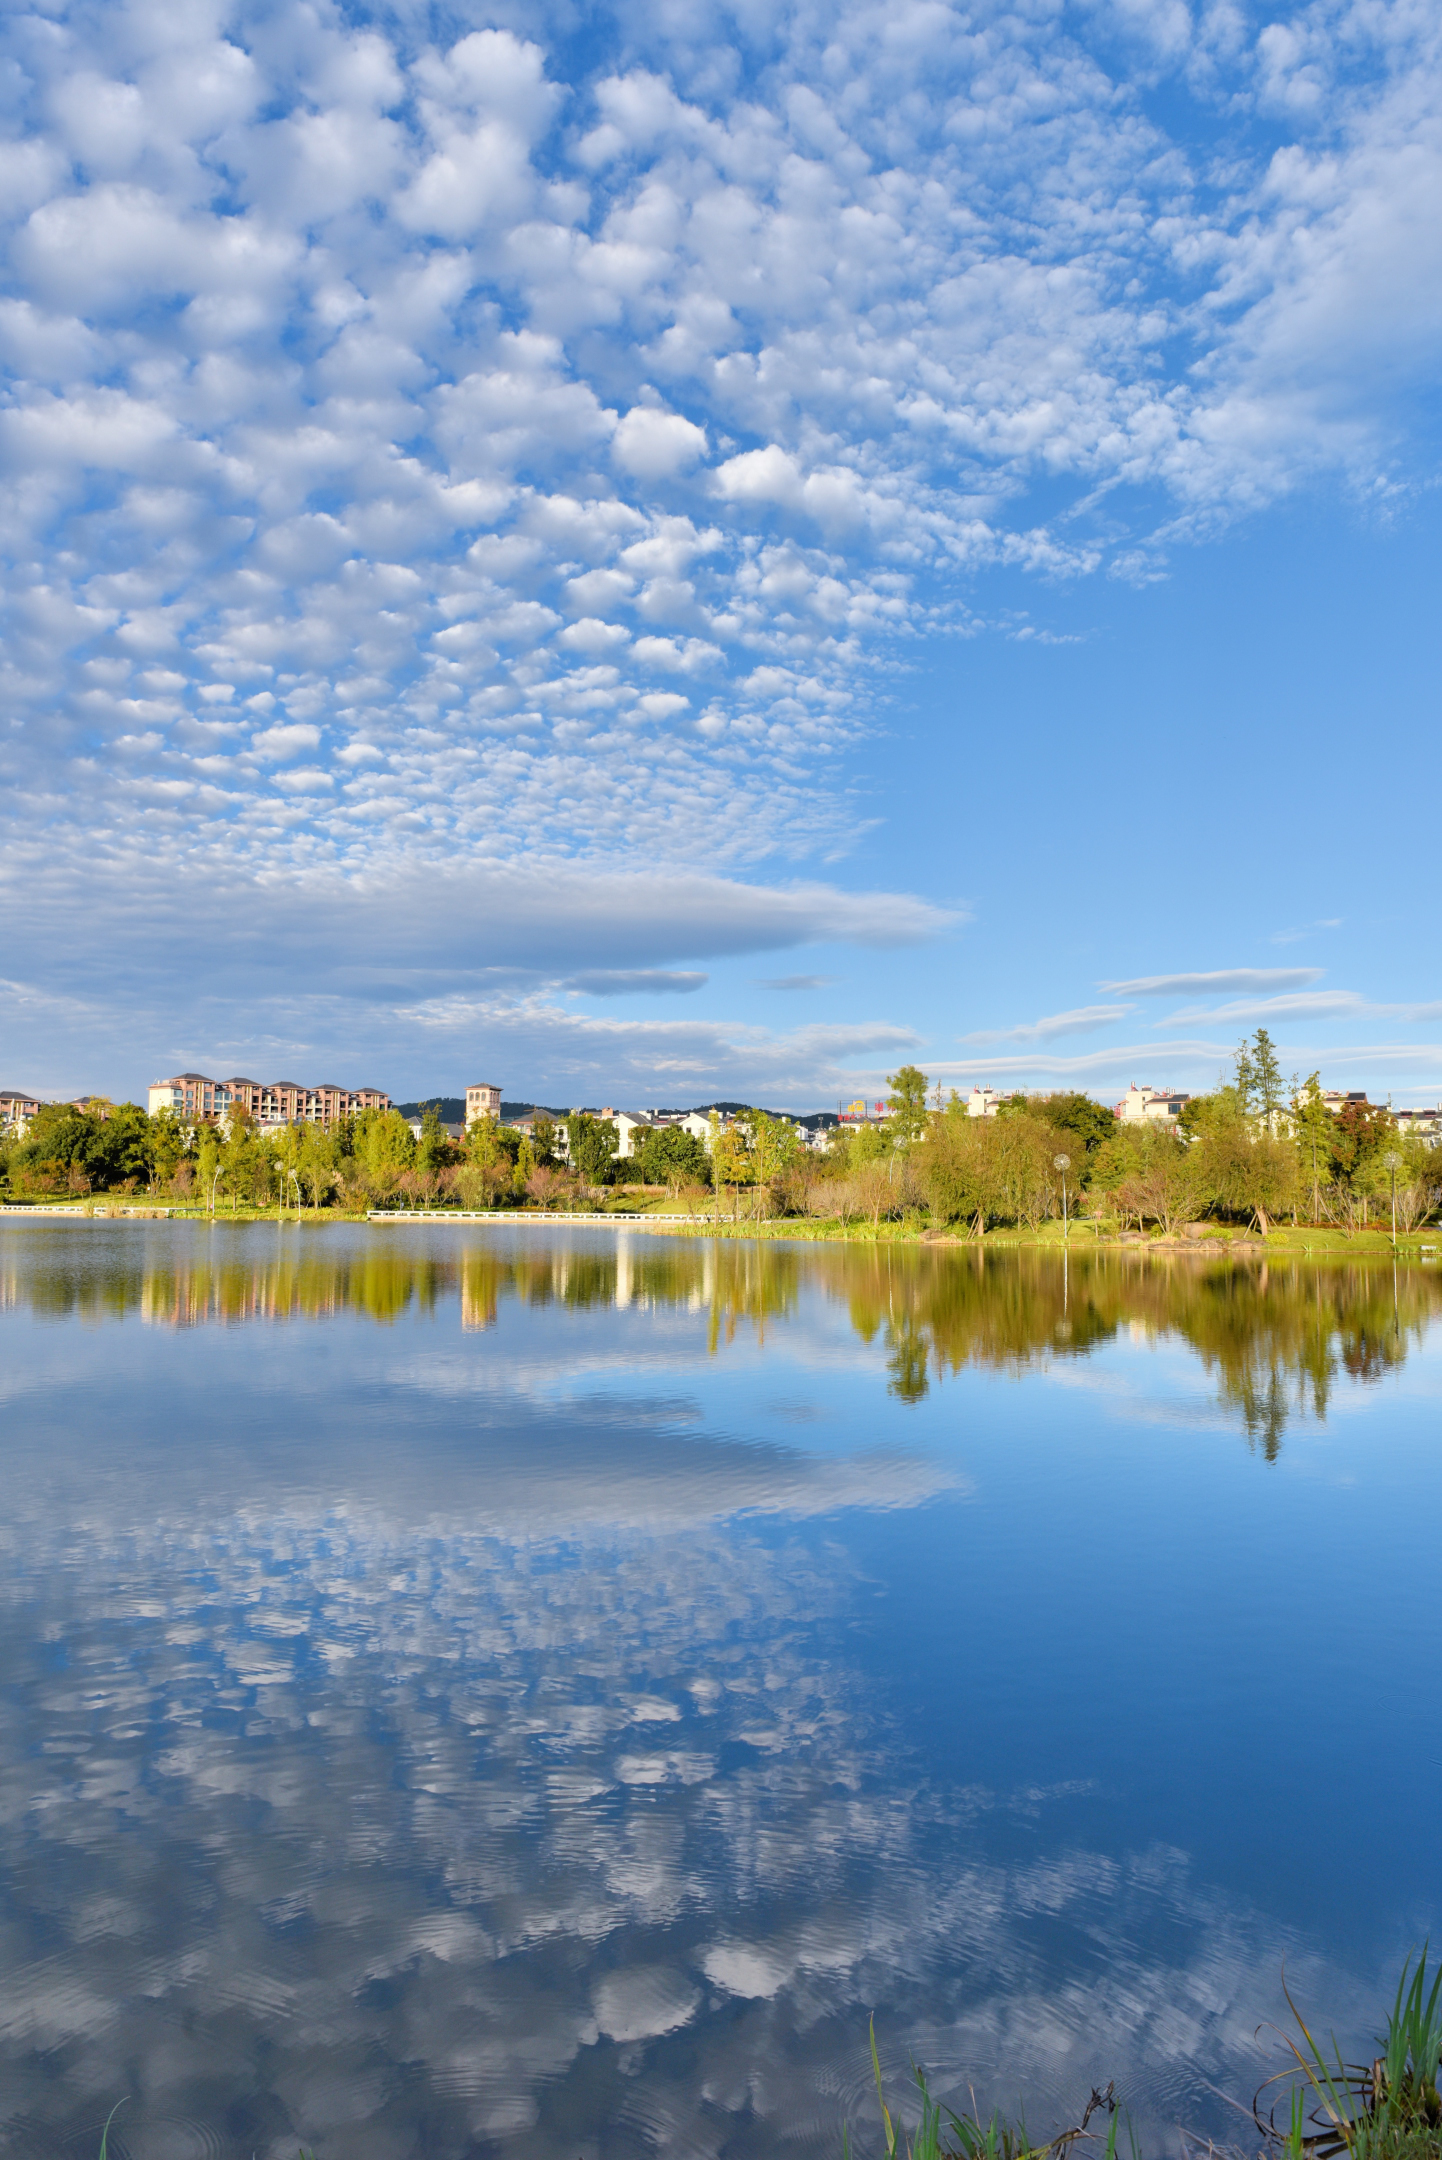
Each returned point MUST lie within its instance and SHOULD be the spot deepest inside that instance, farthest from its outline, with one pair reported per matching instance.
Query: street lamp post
(1063, 1163)
(1393, 1163)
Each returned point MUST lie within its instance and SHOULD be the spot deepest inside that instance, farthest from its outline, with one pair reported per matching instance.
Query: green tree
(730, 1160)
(208, 1164)
(1246, 1171)
(434, 1151)
(673, 1157)
(1364, 1134)
(168, 1145)
(317, 1162)
(906, 1105)
(543, 1139)
(1080, 1119)
(382, 1143)
(869, 1144)
(1314, 1134)
(248, 1165)
(1257, 1080)
(993, 1169)
(593, 1142)
(1024, 1181)
(774, 1145)
(1267, 1079)
(66, 1149)
(1162, 1185)
(1419, 1180)
(840, 1141)
(951, 1168)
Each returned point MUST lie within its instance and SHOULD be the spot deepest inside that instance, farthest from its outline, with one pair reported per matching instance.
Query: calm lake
(540, 1690)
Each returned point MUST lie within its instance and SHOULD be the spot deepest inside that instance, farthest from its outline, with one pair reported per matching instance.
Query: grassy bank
(1216, 1240)
(1317, 2107)
(1090, 1234)
(659, 1210)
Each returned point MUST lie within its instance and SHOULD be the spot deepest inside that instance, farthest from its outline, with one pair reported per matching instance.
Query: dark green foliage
(593, 1144)
(70, 1150)
(669, 1155)
(435, 1150)
(906, 1104)
(1087, 1122)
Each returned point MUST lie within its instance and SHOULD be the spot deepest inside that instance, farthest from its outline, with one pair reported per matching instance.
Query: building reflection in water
(1275, 1337)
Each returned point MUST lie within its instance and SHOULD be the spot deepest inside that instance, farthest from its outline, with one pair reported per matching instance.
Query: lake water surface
(539, 1690)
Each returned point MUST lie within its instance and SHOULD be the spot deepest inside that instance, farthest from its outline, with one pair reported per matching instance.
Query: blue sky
(694, 550)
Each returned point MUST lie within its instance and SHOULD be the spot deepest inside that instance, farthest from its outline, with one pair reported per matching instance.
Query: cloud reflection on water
(450, 1763)
(320, 1831)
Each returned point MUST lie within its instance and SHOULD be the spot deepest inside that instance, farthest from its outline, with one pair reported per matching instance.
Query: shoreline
(1210, 1244)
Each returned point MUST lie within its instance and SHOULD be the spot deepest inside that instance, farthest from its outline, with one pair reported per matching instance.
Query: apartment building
(194, 1097)
(16, 1111)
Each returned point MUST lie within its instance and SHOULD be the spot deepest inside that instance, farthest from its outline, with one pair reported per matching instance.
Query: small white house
(631, 1131)
(1161, 1106)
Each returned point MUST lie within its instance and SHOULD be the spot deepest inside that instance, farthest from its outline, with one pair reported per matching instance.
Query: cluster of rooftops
(195, 1096)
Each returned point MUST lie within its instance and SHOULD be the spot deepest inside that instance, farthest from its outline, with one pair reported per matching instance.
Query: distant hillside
(811, 1119)
(451, 1110)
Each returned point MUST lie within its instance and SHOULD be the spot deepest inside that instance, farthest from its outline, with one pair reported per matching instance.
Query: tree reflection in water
(1274, 1336)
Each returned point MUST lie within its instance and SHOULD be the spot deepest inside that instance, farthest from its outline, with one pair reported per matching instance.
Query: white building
(1158, 1106)
(482, 1101)
(631, 1131)
(983, 1102)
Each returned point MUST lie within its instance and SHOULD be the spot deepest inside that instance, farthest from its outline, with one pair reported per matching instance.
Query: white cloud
(761, 476)
(283, 741)
(1218, 980)
(654, 445)
(1294, 1005)
(446, 399)
(1080, 1020)
(422, 962)
(592, 636)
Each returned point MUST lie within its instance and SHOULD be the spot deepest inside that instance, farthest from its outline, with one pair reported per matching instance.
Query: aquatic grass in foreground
(1388, 2109)
(969, 2138)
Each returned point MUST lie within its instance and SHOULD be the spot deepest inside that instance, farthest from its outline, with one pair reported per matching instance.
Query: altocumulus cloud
(429, 454)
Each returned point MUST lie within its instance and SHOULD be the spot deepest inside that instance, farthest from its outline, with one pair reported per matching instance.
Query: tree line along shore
(1251, 1158)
